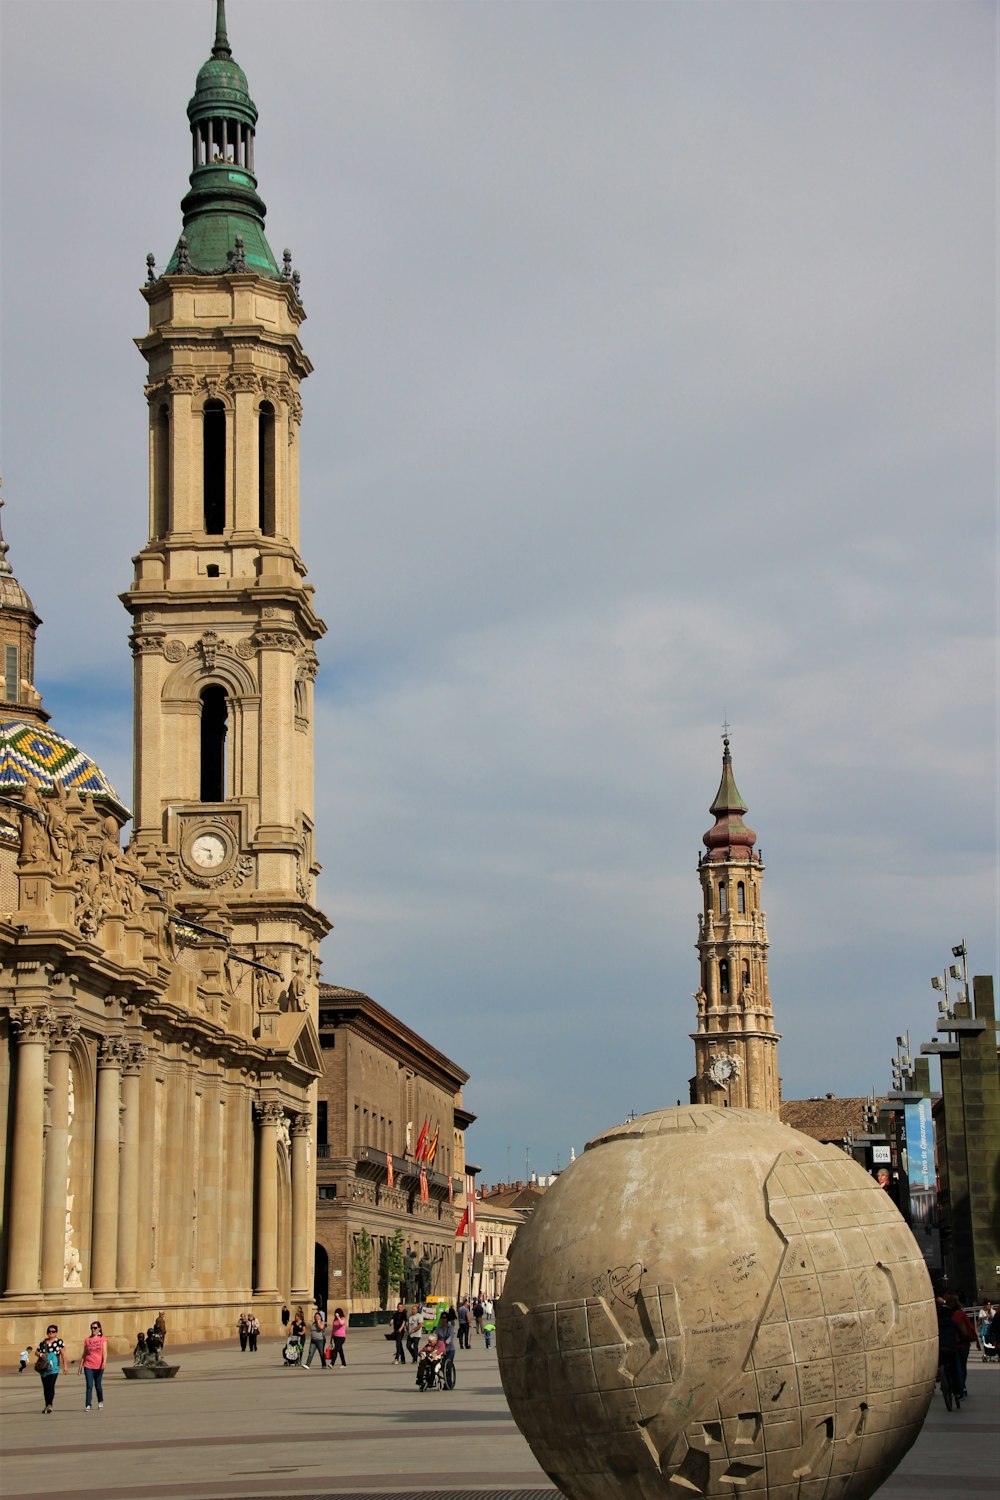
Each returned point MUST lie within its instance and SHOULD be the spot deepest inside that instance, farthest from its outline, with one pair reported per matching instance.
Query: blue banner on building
(919, 1133)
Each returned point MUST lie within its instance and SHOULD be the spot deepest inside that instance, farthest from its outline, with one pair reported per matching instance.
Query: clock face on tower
(721, 1069)
(208, 851)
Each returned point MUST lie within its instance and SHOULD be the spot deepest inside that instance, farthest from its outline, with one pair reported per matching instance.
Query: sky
(655, 378)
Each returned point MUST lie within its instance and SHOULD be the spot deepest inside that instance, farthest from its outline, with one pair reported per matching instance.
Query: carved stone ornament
(277, 640)
(244, 381)
(112, 1052)
(245, 648)
(149, 616)
(146, 642)
(32, 1023)
(309, 665)
(269, 1113)
(301, 1124)
(175, 651)
(65, 1030)
(236, 875)
(137, 1055)
(210, 645)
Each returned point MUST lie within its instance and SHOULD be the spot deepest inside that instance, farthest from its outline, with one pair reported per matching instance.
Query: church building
(159, 1003)
(735, 1045)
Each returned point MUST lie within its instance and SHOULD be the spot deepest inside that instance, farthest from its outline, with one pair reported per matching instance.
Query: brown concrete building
(381, 1086)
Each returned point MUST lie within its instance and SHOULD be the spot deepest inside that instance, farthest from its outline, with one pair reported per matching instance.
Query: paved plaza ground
(242, 1424)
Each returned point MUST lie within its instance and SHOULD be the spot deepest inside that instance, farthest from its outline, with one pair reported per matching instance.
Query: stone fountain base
(150, 1372)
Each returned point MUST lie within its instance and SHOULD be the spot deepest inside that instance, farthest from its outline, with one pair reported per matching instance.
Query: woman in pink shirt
(93, 1362)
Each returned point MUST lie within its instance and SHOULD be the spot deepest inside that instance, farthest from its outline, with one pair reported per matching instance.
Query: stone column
(65, 1029)
(112, 1054)
(32, 1025)
(301, 1281)
(128, 1178)
(268, 1117)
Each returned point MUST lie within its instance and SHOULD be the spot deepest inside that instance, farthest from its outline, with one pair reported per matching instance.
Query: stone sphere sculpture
(709, 1303)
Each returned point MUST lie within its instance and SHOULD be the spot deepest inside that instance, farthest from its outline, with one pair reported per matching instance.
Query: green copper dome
(223, 212)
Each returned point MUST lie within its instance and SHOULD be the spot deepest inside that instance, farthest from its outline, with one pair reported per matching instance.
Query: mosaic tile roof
(37, 752)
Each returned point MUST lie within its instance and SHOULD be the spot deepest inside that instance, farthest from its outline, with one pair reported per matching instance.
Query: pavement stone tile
(236, 1424)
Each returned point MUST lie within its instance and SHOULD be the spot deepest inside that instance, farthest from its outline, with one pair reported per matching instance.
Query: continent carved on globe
(708, 1301)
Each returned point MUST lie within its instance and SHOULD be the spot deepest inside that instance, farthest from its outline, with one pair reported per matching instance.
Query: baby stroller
(988, 1336)
(292, 1352)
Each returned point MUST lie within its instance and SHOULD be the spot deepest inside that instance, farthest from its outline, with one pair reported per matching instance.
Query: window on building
(327, 1190)
(214, 718)
(11, 684)
(724, 976)
(321, 1118)
(741, 897)
(746, 973)
(265, 469)
(214, 467)
(723, 900)
(161, 472)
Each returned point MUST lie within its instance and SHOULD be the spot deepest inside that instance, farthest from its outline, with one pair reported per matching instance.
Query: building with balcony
(390, 1145)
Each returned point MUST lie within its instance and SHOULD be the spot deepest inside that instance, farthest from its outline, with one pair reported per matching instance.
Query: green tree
(396, 1265)
(383, 1272)
(361, 1264)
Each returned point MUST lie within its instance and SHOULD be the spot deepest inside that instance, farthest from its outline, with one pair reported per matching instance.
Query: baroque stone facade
(158, 1003)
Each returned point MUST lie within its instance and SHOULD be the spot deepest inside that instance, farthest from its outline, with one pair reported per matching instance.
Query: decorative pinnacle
(5, 566)
(222, 47)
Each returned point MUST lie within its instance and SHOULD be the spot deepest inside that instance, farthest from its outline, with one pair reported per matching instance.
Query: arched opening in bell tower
(214, 467)
(214, 723)
(265, 469)
(161, 471)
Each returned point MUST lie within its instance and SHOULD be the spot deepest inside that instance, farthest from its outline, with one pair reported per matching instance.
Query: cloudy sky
(655, 376)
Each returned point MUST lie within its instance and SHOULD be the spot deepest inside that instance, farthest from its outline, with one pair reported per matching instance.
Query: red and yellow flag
(390, 1179)
(432, 1148)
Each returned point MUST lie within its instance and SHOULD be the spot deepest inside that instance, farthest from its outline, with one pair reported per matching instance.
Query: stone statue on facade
(424, 1272)
(410, 1281)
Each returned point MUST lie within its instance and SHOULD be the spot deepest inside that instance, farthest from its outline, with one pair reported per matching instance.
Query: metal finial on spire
(5, 566)
(222, 47)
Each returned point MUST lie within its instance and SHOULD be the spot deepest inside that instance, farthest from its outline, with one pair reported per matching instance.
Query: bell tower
(223, 623)
(736, 1045)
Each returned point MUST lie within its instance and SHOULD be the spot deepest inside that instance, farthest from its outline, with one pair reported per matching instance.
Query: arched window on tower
(265, 469)
(214, 720)
(12, 678)
(723, 976)
(723, 902)
(741, 897)
(746, 974)
(214, 468)
(161, 471)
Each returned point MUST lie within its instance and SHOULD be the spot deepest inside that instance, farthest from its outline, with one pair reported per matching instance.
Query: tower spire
(222, 47)
(736, 1045)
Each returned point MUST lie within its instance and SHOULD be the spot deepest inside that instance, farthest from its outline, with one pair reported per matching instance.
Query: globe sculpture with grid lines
(710, 1303)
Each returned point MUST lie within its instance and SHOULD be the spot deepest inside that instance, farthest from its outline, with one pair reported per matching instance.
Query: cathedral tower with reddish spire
(736, 1045)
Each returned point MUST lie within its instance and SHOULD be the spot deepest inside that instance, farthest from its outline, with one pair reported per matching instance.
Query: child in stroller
(292, 1352)
(429, 1362)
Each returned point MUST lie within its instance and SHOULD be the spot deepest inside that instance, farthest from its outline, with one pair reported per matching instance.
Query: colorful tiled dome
(36, 752)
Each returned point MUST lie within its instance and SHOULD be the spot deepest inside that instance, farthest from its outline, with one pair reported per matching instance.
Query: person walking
(286, 1318)
(477, 1313)
(489, 1328)
(23, 1357)
(414, 1329)
(465, 1323)
(253, 1332)
(93, 1363)
(398, 1332)
(317, 1338)
(338, 1333)
(243, 1328)
(299, 1330)
(50, 1363)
